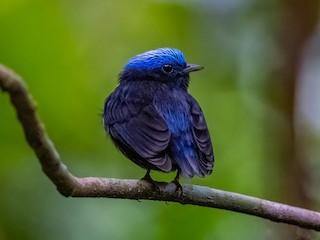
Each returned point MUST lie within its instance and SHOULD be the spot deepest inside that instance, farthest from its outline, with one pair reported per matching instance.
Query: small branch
(69, 185)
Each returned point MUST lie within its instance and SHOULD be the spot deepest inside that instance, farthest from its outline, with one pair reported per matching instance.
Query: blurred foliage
(70, 53)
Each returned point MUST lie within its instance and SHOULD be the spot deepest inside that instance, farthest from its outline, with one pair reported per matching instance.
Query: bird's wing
(201, 136)
(140, 128)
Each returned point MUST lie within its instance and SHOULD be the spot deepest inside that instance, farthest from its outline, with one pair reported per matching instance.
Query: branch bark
(71, 186)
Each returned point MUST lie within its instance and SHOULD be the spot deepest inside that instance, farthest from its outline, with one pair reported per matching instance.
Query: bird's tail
(191, 163)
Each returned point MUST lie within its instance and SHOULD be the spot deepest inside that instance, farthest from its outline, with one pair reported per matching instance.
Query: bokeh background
(259, 92)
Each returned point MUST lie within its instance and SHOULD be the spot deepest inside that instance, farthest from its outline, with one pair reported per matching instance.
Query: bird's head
(166, 65)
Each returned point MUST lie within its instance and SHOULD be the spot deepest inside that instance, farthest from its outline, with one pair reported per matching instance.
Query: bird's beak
(192, 68)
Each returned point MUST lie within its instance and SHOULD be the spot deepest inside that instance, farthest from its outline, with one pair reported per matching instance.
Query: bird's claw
(178, 187)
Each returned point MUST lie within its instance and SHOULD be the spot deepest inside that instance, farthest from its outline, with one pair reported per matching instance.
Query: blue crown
(156, 58)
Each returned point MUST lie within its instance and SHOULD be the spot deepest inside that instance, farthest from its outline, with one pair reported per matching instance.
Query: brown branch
(69, 185)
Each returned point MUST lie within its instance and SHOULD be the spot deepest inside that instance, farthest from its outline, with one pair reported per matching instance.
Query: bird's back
(175, 115)
(176, 107)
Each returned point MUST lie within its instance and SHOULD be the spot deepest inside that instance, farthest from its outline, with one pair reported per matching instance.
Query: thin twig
(71, 186)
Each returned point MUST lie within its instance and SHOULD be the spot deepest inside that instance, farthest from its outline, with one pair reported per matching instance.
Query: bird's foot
(178, 185)
(148, 178)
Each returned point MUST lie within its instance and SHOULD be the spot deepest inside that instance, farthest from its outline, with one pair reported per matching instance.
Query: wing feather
(140, 128)
(201, 136)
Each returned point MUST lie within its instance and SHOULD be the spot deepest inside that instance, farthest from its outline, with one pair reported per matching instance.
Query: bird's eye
(167, 68)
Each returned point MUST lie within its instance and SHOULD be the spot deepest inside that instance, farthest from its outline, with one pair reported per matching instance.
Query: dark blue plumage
(153, 120)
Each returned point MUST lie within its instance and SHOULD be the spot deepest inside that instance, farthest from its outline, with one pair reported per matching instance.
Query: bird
(154, 121)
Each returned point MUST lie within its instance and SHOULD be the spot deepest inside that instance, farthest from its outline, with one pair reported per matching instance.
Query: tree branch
(71, 186)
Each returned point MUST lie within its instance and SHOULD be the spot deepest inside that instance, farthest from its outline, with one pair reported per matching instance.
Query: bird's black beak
(192, 68)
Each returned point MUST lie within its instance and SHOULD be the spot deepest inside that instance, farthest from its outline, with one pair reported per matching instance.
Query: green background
(70, 54)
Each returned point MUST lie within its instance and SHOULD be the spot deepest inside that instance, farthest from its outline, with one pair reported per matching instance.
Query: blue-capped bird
(153, 119)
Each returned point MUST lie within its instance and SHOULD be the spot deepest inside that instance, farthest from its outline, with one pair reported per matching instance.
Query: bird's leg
(176, 181)
(148, 178)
